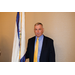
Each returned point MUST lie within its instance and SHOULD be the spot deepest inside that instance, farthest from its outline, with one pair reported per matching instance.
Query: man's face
(38, 30)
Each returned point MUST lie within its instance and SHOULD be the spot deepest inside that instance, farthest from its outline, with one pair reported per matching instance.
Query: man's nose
(37, 30)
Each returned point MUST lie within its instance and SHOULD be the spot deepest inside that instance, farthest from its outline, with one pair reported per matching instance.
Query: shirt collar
(40, 37)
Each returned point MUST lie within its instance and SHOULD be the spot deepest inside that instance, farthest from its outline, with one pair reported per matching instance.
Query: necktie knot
(37, 38)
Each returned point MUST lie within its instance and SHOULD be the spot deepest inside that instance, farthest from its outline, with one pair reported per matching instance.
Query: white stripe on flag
(23, 36)
(15, 52)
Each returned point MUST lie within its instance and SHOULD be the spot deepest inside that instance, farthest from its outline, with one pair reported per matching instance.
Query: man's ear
(43, 29)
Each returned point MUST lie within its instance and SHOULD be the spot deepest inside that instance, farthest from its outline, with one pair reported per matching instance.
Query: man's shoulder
(32, 38)
(48, 38)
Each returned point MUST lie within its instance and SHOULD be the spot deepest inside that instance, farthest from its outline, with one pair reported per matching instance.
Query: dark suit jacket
(47, 52)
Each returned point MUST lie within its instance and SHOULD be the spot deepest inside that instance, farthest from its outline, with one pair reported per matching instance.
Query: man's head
(38, 29)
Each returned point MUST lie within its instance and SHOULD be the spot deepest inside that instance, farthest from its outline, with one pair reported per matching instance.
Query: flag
(19, 39)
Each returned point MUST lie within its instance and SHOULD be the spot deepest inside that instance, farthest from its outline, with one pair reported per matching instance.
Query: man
(40, 48)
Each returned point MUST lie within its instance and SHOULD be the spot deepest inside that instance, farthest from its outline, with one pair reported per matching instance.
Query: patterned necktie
(36, 50)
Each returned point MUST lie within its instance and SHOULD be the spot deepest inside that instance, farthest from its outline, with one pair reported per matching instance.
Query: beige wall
(0, 33)
(60, 26)
(7, 23)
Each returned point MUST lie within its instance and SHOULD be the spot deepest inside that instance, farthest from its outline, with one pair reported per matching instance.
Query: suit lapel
(43, 47)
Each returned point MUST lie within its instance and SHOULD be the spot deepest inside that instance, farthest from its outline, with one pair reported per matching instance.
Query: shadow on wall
(5, 50)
